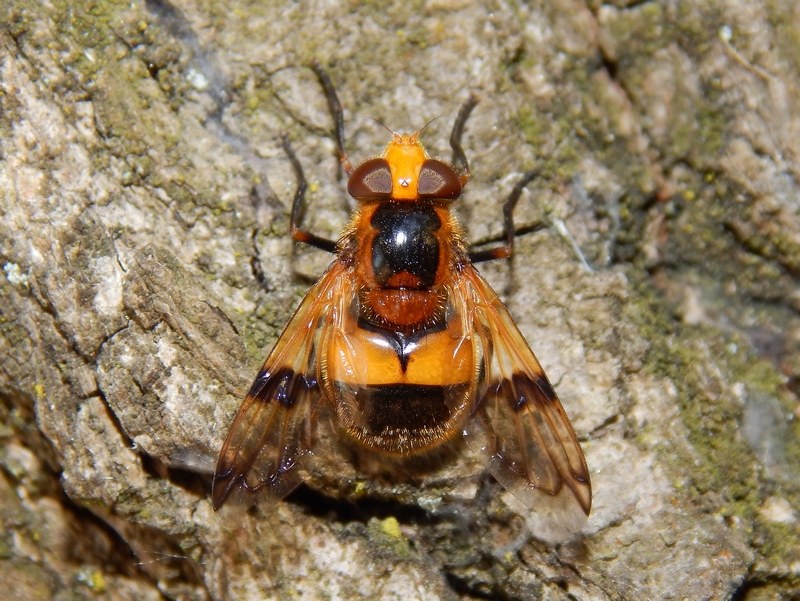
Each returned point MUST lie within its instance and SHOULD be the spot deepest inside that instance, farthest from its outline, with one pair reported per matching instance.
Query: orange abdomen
(400, 394)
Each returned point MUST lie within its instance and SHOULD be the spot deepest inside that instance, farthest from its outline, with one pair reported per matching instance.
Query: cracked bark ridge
(146, 272)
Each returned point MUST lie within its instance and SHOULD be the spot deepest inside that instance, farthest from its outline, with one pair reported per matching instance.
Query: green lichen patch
(716, 376)
(641, 31)
(786, 35)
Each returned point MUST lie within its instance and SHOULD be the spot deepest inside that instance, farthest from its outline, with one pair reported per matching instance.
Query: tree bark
(147, 271)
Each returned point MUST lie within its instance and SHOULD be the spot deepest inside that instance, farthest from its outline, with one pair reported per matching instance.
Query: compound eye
(438, 180)
(372, 180)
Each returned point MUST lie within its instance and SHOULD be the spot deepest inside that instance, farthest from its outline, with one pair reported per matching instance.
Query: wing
(272, 431)
(532, 447)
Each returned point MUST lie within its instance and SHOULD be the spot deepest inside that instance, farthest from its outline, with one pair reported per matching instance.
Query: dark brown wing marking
(272, 431)
(533, 447)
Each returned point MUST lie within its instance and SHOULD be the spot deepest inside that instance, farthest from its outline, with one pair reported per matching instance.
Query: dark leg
(459, 158)
(505, 251)
(335, 107)
(298, 205)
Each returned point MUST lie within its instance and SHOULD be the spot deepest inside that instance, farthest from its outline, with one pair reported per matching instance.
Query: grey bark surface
(146, 272)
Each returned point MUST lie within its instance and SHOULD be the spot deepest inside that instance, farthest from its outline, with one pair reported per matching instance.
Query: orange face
(405, 156)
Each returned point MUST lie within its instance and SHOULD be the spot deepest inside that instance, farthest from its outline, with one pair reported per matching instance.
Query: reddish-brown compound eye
(372, 180)
(438, 180)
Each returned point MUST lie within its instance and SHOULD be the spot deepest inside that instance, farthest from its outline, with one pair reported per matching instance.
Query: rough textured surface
(146, 273)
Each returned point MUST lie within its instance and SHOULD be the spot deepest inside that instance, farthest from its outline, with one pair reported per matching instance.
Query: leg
(298, 205)
(459, 158)
(505, 250)
(335, 107)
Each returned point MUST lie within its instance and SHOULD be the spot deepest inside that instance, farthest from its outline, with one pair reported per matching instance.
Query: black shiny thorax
(405, 242)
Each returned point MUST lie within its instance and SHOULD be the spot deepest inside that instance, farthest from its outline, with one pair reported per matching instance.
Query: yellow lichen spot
(689, 195)
(94, 579)
(38, 390)
(387, 533)
(313, 187)
(97, 582)
(360, 488)
(391, 527)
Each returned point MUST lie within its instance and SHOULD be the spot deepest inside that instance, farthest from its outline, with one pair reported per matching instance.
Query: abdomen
(400, 393)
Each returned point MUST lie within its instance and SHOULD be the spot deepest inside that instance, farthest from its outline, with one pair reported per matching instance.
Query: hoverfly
(401, 344)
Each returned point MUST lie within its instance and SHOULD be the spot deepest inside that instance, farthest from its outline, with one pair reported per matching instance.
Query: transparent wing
(533, 450)
(272, 431)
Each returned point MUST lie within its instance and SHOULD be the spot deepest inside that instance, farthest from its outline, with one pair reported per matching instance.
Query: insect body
(403, 343)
